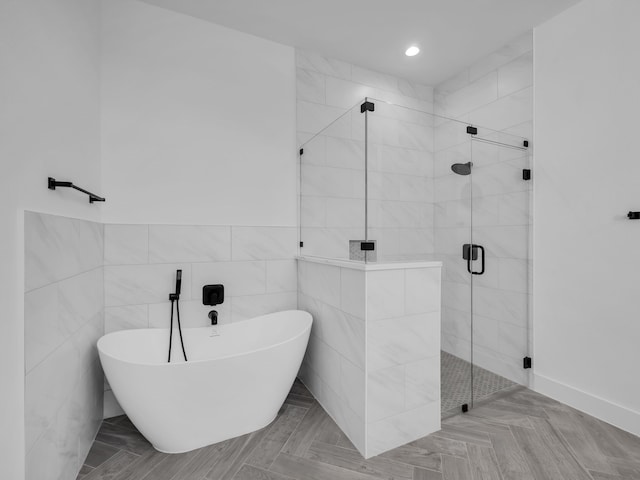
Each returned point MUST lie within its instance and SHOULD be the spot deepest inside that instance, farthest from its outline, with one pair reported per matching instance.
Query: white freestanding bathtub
(233, 384)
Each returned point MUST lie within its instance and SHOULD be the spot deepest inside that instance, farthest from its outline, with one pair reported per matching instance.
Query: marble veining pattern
(184, 243)
(64, 306)
(59, 247)
(337, 341)
(375, 368)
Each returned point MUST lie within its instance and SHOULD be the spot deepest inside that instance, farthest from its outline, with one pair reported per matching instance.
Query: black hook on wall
(52, 183)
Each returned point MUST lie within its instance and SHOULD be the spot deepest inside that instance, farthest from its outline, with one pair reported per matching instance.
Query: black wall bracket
(472, 130)
(633, 215)
(367, 107)
(526, 174)
(367, 246)
(465, 408)
(302, 151)
(52, 183)
(526, 362)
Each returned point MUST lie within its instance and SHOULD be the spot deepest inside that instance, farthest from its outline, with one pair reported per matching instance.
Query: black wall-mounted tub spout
(213, 316)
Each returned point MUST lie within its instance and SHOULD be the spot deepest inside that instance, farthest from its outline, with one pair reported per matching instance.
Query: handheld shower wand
(178, 283)
(175, 297)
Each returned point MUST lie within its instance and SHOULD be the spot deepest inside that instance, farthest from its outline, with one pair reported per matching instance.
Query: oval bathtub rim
(191, 362)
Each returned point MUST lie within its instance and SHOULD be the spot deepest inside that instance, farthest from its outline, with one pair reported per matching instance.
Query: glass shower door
(501, 189)
(454, 245)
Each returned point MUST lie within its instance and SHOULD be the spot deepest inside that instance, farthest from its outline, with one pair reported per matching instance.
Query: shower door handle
(470, 253)
(482, 258)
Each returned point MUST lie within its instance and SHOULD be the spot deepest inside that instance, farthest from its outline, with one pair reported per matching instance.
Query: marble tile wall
(403, 356)
(400, 182)
(373, 360)
(332, 129)
(334, 365)
(255, 264)
(63, 318)
(495, 92)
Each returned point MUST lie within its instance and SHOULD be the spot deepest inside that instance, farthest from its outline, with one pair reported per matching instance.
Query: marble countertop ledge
(369, 267)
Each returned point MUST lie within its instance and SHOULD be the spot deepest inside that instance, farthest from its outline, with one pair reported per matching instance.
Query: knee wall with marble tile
(63, 318)
(374, 355)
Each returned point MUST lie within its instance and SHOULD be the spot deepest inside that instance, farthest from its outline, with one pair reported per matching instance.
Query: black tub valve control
(212, 294)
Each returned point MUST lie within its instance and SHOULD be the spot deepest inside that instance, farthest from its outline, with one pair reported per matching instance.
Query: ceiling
(451, 34)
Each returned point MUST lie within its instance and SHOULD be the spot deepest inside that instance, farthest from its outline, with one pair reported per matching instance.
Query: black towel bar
(52, 184)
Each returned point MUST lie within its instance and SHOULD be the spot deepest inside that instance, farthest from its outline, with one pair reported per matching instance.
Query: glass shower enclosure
(390, 183)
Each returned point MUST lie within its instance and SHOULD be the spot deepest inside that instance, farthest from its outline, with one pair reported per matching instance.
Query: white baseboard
(111, 406)
(617, 415)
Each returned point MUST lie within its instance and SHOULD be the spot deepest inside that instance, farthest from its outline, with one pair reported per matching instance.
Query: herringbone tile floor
(515, 435)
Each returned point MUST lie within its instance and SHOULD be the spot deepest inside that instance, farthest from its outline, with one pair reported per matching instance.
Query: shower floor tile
(456, 383)
(513, 434)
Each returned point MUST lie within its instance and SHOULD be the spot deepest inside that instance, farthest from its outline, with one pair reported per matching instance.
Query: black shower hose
(179, 330)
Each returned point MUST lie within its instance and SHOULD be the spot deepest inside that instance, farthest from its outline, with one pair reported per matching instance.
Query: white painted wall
(198, 121)
(586, 266)
(49, 123)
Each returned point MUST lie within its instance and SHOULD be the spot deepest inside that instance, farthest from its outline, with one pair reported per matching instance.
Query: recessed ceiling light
(412, 51)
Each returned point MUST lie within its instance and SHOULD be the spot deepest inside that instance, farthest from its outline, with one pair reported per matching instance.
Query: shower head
(462, 168)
